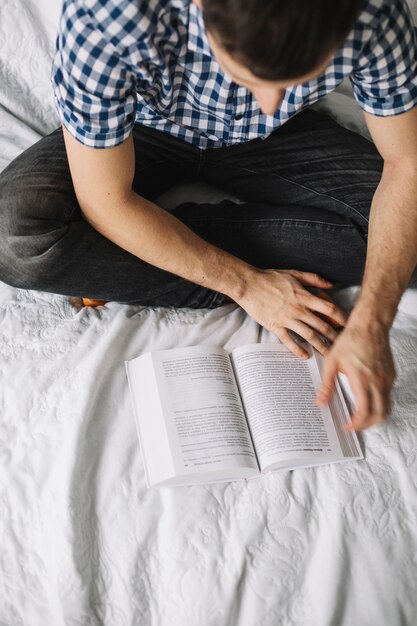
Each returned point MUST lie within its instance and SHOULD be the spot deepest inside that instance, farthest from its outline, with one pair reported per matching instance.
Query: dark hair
(280, 39)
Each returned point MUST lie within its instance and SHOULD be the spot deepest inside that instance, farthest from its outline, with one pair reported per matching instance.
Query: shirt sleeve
(94, 89)
(384, 79)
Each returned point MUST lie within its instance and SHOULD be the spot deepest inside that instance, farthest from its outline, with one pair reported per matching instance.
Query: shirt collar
(197, 38)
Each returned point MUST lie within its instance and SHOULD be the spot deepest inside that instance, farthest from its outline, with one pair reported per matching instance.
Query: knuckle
(277, 329)
(310, 334)
(331, 307)
(325, 329)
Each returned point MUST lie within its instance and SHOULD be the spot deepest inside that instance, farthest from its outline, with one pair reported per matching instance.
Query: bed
(83, 542)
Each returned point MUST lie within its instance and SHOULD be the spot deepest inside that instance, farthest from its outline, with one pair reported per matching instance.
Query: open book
(203, 415)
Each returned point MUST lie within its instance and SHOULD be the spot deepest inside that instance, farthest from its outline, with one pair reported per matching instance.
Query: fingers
(297, 314)
(309, 278)
(305, 331)
(379, 403)
(323, 327)
(307, 325)
(328, 308)
(291, 344)
(325, 296)
(372, 403)
(361, 394)
(327, 383)
(311, 328)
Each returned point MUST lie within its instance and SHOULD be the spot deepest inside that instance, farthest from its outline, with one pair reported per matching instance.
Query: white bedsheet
(82, 540)
(84, 543)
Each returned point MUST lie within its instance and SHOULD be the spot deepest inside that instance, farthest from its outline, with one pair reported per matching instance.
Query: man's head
(269, 45)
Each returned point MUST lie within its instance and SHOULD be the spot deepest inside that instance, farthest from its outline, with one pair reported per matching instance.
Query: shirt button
(238, 116)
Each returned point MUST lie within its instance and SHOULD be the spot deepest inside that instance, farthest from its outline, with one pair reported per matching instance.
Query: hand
(364, 355)
(279, 302)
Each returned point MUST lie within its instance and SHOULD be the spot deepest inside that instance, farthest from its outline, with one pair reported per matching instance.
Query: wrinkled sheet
(84, 543)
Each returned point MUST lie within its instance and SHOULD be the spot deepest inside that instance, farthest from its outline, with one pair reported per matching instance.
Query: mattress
(83, 542)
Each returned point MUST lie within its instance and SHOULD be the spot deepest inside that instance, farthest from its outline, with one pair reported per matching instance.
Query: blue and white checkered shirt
(121, 62)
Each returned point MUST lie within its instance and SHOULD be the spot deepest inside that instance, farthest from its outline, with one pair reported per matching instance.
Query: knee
(24, 239)
(17, 268)
(14, 257)
(9, 233)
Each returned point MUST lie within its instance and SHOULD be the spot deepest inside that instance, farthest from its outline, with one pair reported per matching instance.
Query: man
(154, 92)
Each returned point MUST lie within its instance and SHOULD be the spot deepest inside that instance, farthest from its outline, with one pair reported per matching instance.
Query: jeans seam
(318, 193)
(274, 219)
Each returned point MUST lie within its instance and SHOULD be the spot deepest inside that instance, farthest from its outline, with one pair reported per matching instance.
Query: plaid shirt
(121, 62)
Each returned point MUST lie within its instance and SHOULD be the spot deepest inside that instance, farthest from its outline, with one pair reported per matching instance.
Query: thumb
(327, 383)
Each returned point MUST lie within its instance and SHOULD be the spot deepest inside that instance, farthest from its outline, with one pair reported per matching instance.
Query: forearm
(392, 247)
(160, 239)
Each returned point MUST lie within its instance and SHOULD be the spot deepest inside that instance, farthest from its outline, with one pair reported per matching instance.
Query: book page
(149, 419)
(203, 413)
(278, 391)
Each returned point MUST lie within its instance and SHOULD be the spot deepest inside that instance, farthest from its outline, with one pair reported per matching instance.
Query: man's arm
(103, 185)
(362, 350)
(392, 237)
(275, 298)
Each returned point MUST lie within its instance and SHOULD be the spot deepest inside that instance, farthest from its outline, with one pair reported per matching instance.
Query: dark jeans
(307, 191)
